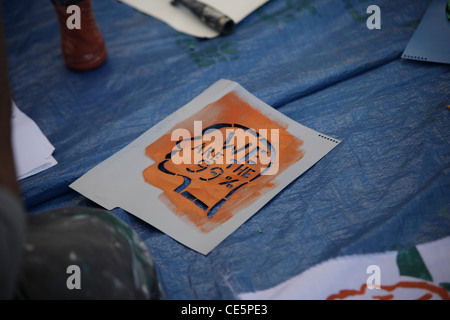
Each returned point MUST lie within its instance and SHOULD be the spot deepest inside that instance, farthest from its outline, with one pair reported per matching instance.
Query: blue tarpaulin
(386, 186)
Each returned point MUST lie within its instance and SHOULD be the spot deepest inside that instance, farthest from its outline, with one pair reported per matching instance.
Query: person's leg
(85, 253)
(83, 49)
(12, 214)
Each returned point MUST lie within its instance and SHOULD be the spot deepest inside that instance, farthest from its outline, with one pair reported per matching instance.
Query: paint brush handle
(212, 17)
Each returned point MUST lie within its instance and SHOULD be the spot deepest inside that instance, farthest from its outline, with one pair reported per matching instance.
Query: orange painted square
(191, 191)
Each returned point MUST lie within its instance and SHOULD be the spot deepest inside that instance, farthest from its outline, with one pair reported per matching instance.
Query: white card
(204, 170)
(430, 42)
(32, 150)
(181, 19)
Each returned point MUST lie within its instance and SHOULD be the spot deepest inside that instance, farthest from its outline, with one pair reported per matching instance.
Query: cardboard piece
(207, 168)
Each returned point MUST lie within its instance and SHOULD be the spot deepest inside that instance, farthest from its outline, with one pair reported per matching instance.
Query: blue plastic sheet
(386, 186)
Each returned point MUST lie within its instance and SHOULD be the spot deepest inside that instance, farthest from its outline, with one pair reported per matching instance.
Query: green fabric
(410, 263)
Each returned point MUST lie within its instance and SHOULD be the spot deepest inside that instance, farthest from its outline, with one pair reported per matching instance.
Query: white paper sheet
(431, 41)
(181, 19)
(140, 182)
(370, 277)
(32, 150)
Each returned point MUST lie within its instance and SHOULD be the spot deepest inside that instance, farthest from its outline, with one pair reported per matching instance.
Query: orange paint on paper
(425, 290)
(386, 297)
(209, 192)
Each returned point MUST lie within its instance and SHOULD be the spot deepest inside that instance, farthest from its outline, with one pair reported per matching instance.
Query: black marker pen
(212, 17)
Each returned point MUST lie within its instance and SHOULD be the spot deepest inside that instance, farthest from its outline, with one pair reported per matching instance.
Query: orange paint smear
(230, 109)
(402, 284)
(386, 297)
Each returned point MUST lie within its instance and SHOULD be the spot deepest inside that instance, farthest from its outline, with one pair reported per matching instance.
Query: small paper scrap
(430, 42)
(32, 150)
(207, 168)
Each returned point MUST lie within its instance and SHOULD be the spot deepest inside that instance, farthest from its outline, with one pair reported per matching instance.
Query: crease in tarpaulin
(326, 84)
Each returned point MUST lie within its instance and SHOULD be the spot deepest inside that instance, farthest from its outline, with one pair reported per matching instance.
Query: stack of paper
(32, 150)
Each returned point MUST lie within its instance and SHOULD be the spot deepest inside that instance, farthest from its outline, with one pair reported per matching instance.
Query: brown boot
(83, 49)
